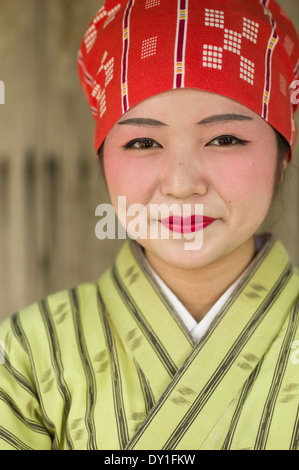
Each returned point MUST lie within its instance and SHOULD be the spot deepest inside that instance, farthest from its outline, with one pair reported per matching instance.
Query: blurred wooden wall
(50, 182)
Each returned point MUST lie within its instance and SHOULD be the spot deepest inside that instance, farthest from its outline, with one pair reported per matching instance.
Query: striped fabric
(108, 365)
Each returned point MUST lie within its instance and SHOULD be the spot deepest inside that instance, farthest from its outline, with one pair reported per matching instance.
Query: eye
(142, 144)
(227, 141)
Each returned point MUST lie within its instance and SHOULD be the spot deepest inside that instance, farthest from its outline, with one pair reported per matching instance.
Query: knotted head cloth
(247, 50)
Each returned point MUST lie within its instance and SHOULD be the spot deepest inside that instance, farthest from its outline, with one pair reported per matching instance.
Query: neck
(199, 289)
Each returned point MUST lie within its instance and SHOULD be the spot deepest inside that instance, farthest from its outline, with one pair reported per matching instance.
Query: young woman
(180, 345)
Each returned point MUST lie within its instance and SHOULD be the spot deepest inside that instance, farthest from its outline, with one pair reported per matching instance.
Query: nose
(182, 174)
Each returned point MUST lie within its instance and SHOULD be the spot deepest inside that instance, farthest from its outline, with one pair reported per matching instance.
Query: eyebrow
(215, 119)
(141, 122)
(218, 118)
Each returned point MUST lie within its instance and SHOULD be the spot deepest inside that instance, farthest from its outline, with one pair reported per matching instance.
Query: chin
(175, 254)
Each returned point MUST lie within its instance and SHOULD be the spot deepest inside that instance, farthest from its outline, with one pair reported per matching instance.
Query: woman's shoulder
(64, 319)
(57, 304)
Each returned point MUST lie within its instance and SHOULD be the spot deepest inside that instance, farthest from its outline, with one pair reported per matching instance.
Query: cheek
(130, 179)
(112, 176)
(250, 185)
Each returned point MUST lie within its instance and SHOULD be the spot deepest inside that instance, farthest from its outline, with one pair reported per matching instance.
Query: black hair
(282, 157)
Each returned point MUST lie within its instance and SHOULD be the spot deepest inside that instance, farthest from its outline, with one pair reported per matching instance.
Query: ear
(285, 163)
(287, 159)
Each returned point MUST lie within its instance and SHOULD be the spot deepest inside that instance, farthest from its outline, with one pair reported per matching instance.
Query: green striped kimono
(109, 365)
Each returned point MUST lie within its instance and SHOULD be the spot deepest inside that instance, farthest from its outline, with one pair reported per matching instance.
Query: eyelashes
(142, 144)
(148, 144)
(227, 141)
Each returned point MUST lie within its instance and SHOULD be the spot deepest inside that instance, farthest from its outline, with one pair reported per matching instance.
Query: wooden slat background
(50, 181)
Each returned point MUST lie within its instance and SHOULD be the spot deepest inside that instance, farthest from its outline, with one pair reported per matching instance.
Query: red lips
(187, 224)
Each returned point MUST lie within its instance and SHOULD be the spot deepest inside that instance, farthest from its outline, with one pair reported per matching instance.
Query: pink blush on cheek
(248, 183)
(127, 180)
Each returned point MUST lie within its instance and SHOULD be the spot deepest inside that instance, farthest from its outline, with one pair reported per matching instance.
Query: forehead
(191, 112)
(190, 101)
(182, 108)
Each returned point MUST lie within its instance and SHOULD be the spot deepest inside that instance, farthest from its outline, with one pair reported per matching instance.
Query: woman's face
(197, 150)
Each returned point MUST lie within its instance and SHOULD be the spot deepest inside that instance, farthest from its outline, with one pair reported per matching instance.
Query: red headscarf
(247, 50)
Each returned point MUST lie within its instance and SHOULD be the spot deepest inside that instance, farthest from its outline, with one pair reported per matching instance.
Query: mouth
(188, 224)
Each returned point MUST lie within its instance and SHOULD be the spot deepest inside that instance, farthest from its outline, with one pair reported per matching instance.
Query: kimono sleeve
(21, 421)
